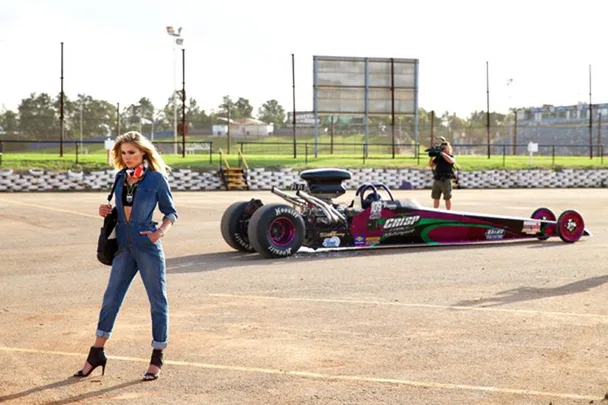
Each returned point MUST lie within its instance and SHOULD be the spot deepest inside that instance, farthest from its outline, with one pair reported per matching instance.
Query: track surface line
(50, 208)
(322, 376)
(412, 305)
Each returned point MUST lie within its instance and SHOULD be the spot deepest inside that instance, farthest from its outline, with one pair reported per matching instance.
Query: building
(303, 118)
(250, 126)
(219, 130)
(569, 114)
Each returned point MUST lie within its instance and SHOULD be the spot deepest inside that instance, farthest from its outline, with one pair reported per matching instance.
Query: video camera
(435, 150)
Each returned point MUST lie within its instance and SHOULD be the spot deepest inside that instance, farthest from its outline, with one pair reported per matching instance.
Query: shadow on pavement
(222, 260)
(64, 383)
(534, 293)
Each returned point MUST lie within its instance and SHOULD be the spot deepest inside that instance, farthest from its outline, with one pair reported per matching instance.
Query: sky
(120, 51)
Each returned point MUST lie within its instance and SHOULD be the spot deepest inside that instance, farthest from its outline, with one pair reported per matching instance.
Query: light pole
(514, 110)
(81, 136)
(152, 118)
(178, 41)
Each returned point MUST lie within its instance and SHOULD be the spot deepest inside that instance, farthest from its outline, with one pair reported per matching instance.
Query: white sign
(532, 148)
(109, 143)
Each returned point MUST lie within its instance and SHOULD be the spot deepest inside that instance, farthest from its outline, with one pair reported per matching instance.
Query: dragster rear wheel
(547, 215)
(234, 227)
(276, 230)
(570, 226)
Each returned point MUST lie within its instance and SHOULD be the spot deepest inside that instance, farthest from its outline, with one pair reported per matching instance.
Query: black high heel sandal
(155, 360)
(96, 358)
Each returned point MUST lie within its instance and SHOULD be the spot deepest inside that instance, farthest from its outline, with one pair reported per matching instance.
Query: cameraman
(443, 173)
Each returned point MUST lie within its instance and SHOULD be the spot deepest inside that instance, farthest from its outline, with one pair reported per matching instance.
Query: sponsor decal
(375, 210)
(359, 240)
(398, 233)
(391, 205)
(373, 224)
(399, 223)
(298, 186)
(334, 241)
(330, 234)
(495, 233)
(241, 242)
(372, 240)
(279, 252)
(531, 227)
(284, 210)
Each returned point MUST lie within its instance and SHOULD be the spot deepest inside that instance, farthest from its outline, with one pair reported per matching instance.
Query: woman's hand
(105, 210)
(154, 236)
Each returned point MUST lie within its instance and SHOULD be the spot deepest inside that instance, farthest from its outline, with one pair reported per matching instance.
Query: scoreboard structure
(365, 86)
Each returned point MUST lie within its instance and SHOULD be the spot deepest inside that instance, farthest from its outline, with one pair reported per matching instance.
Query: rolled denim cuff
(103, 334)
(159, 345)
(171, 217)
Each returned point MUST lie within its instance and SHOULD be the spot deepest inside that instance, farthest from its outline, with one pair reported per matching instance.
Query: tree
(478, 119)
(98, 117)
(146, 108)
(168, 111)
(198, 118)
(8, 122)
(38, 119)
(241, 109)
(454, 122)
(271, 112)
(228, 109)
(244, 108)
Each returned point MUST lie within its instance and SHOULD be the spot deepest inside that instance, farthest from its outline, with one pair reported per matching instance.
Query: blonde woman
(443, 173)
(141, 185)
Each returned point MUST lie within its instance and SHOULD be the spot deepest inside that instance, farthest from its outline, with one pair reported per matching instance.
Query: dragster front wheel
(276, 230)
(546, 215)
(570, 226)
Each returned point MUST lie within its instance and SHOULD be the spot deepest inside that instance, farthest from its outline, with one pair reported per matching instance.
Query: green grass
(277, 151)
(51, 161)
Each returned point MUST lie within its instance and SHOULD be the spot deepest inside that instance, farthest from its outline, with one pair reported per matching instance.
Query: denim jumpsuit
(137, 252)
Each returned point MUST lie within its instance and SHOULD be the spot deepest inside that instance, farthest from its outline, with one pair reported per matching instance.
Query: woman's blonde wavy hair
(142, 143)
(447, 144)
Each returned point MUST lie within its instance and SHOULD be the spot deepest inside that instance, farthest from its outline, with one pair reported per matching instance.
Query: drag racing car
(373, 219)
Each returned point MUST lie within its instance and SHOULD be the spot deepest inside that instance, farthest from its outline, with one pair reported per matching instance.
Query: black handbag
(107, 248)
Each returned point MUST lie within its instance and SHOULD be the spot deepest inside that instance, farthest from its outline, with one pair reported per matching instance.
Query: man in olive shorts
(443, 173)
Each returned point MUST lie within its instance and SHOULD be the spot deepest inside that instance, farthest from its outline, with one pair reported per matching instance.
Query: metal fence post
(306, 154)
(77, 149)
(363, 153)
(504, 155)
(552, 155)
(2, 151)
(210, 152)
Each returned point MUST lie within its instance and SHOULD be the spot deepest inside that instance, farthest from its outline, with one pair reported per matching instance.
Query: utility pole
(183, 102)
(61, 109)
(293, 84)
(488, 106)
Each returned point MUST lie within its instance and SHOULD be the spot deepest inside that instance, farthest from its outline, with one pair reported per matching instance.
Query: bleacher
(568, 140)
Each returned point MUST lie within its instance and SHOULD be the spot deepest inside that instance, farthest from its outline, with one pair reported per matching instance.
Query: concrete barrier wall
(262, 179)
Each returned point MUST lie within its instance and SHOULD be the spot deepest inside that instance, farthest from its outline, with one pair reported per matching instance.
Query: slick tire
(234, 227)
(276, 230)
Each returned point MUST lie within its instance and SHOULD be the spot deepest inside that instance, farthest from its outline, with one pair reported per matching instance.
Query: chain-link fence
(38, 139)
(91, 153)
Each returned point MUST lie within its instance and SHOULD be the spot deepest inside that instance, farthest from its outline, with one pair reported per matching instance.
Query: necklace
(130, 190)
